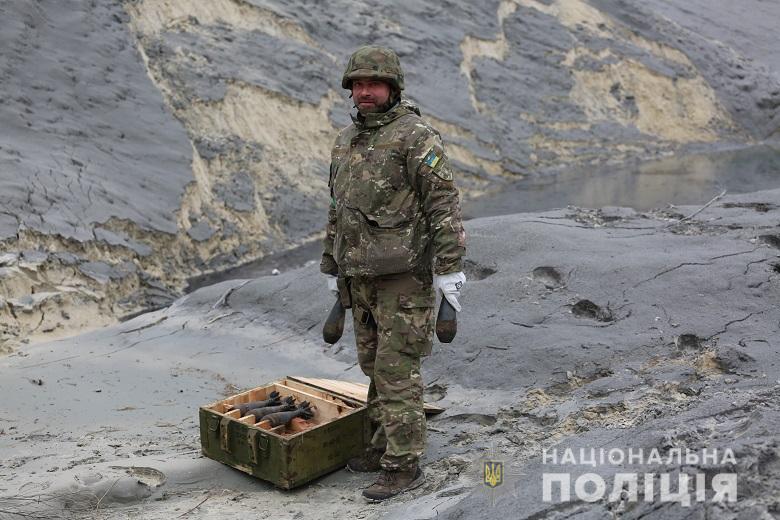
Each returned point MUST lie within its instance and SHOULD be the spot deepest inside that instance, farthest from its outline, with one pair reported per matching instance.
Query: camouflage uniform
(394, 220)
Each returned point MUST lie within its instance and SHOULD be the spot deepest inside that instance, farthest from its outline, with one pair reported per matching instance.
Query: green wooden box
(285, 458)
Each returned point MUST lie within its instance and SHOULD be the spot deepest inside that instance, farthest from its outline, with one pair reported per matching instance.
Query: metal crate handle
(257, 442)
(224, 434)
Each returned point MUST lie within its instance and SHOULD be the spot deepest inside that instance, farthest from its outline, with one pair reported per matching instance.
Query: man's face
(370, 95)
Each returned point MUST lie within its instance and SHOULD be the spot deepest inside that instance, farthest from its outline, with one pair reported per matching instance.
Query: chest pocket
(371, 176)
(388, 161)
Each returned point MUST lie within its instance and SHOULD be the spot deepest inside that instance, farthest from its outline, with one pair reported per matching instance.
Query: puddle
(284, 261)
(693, 179)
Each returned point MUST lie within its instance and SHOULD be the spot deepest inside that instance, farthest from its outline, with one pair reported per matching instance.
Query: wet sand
(581, 328)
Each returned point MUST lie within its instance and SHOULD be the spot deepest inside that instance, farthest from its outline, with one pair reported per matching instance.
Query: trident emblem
(494, 473)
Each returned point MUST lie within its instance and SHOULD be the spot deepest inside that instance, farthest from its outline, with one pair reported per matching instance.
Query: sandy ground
(677, 347)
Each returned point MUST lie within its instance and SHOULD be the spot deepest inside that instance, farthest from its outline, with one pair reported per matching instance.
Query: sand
(581, 328)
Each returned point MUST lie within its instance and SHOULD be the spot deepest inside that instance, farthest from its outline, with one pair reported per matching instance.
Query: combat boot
(391, 483)
(367, 462)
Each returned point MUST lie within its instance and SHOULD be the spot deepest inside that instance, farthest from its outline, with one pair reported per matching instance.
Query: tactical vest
(380, 225)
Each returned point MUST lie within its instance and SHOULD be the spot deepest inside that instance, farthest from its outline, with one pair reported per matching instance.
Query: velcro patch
(434, 159)
(431, 159)
(443, 173)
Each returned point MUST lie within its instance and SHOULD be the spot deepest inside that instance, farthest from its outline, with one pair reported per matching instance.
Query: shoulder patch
(432, 159)
(440, 168)
(444, 173)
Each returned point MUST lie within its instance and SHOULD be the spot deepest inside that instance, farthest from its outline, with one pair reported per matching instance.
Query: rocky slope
(149, 141)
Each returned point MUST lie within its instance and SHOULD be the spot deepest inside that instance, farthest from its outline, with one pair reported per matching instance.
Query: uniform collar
(377, 119)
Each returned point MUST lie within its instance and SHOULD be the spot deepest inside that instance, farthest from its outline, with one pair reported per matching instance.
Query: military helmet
(374, 62)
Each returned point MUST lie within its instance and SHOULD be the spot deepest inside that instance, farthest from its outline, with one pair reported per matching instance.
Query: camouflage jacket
(394, 206)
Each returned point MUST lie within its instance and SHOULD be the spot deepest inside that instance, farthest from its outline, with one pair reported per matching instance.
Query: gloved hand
(332, 285)
(449, 285)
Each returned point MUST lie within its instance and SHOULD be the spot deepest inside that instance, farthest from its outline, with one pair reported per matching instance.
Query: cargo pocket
(396, 169)
(418, 434)
(384, 250)
(416, 317)
(412, 432)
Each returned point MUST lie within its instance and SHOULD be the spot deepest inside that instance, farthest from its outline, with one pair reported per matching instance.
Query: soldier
(394, 233)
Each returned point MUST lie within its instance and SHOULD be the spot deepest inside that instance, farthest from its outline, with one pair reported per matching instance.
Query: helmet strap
(395, 95)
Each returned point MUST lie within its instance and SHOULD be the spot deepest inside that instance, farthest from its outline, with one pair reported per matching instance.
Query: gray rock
(201, 231)
(103, 273)
(238, 192)
(34, 257)
(120, 239)
(66, 258)
(8, 259)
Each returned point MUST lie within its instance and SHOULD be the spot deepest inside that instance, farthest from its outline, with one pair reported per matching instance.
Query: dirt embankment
(149, 141)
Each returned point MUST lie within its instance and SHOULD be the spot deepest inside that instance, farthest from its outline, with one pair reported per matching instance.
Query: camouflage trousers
(394, 323)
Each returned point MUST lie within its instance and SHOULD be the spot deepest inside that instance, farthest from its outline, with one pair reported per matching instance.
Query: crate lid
(351, 390)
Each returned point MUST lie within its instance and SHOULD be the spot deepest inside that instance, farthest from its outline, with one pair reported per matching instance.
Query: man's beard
(374, 109)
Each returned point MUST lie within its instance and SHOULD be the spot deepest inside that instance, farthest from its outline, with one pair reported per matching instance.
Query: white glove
(332, 285)
(449, 285)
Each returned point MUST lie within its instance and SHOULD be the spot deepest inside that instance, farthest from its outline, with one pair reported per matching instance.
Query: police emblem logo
(495, 477)
(493, 473)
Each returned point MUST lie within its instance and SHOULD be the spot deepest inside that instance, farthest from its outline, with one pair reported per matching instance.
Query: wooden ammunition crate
(287, 458)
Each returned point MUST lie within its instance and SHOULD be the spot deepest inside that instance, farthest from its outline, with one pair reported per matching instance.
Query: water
(689, 180)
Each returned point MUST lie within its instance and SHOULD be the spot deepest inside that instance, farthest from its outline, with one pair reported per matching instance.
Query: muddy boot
(391, 483)
(367, 462)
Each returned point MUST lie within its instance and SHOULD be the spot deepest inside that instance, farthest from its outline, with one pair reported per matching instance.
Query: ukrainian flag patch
(431, 159)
